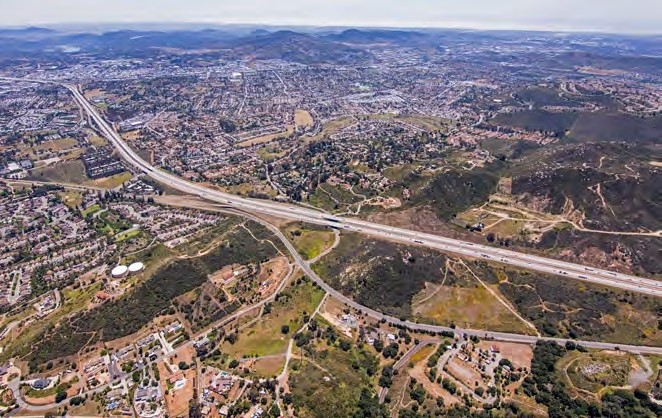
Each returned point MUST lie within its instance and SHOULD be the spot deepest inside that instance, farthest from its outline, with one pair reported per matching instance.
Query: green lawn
(91, 210)
(309, 241)
(126, 235)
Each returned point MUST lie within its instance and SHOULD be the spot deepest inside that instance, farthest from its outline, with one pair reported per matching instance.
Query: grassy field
(268, 367)
(265, 337)
(309, 241)
(127, 235)
(332, 127)
(302, 118)
(97, 141)
(52, 146)
(470, 307)
(329, 383)
(246, 189)
(270, 153)
(114, 180)
(266, 138)
(72, 171)
(91, 210)
(71, 198)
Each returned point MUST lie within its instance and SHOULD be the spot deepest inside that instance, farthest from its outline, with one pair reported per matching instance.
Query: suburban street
(531, 262)
(298, 213)
(378, 316)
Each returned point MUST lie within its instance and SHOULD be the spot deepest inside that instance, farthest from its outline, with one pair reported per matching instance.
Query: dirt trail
(503, 302)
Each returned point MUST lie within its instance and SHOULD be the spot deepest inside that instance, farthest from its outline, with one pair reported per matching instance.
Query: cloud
(604, 15)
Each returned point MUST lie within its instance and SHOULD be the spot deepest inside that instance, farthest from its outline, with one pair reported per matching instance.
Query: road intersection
(298, 213)
(304, 214)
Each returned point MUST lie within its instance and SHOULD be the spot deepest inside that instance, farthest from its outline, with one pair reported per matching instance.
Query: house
(41, 384)
(26, 164)
(221, 385)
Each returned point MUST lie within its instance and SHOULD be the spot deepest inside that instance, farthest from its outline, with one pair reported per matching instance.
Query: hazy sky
(603, 15)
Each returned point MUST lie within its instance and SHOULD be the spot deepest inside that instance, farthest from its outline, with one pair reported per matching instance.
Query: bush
(60, 396)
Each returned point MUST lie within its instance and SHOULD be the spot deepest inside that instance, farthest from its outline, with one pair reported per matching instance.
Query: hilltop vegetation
(545, 386)
(455, 191)
(380, 274)
(569, 309)
(620, 203)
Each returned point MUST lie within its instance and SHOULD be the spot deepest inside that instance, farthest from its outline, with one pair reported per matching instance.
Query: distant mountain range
(318, 46)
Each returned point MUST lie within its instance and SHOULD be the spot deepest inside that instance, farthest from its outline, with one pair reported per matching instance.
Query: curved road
(299, 213)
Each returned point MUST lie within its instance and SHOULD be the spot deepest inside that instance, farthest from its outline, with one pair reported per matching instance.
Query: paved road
(303, 264)
(53, 183)
(299, 213)
(498, 336)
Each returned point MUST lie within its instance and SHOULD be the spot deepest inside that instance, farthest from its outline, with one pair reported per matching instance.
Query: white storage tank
(119, 271)
(136, 267)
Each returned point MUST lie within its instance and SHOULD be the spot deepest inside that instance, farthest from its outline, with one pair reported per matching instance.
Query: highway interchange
(247, 207)
(298, 213)
(283, 210)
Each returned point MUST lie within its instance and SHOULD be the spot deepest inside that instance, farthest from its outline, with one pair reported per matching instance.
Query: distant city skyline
(635, 16)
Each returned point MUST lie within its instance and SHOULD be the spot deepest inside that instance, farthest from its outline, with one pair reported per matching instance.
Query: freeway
(282, 210)
(415, 326)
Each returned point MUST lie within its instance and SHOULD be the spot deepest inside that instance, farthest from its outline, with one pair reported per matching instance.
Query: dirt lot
(266, 367)
(271, 273)
(465, 373)
(434, 389)
(519, 354)
(177, 401)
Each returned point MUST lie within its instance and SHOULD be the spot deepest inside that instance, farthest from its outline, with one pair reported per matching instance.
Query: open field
(329, 382)
(267, 367)
(52, 147)
(331, 127)
(250, 189)
(310, 241)
(518, 354)
(72, 171)
(127, 235)
(265, 337)
(266, 138)
(97, 141)
(270, 153)
(302, 118)
(113, 181)
(71, 198)
(470, 307)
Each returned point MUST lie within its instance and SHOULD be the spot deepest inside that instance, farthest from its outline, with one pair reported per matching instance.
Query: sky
(618, 16)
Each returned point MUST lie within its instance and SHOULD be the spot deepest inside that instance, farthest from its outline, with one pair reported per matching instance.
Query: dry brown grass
(302, 118)
(468, 307)
(266, 138)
